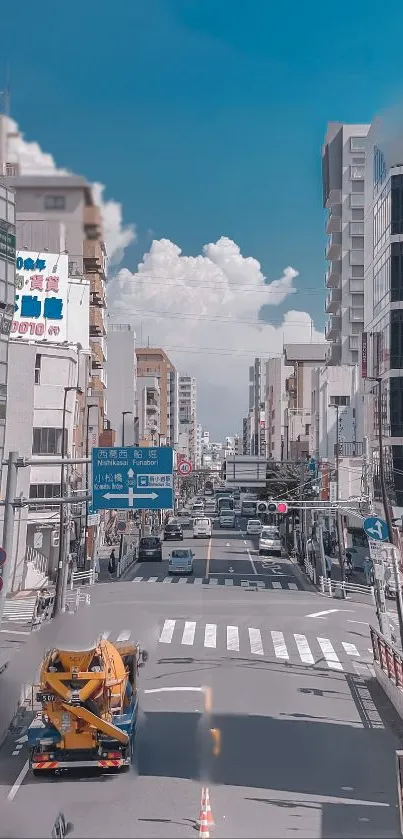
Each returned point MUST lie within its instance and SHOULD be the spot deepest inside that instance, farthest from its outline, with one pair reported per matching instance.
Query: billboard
(364, 355)
(41, 290)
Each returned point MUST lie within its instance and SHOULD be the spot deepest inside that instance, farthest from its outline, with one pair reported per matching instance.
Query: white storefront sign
(41, 297)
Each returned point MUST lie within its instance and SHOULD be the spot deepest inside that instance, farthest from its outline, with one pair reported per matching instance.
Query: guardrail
(388, 657)
(82, 578)
(310, 570)
(125, 561)
(43, 609)
(344, 588)
(74, 599)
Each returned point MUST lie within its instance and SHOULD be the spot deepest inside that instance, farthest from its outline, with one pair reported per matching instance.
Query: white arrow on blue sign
(130, 477)
(376, 528)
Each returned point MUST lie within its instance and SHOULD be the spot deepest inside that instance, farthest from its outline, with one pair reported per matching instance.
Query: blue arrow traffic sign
(376, 528)
(132, 478)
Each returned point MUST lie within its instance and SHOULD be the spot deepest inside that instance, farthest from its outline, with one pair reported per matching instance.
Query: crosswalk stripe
(255, 641)
(167, 580)
(198, 580)
(232, 638)
(350, 649)
(124, 636)
(304, 649)
(189, 633)
(213, 581)
(137, 579)
(152, 579)
(167, 632)
(293, 586)
(210, 635)
(105, 635)
(229, 582)
(330, 654)
(280, 649)
(183, 579)
(276, 584)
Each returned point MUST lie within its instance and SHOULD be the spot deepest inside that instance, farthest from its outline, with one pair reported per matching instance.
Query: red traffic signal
(282, 507)
(277, 507)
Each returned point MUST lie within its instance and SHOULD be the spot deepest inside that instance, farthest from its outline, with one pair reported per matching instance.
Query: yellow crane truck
(89, 707)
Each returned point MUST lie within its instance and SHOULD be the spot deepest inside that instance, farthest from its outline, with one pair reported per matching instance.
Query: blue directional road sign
(376, 529)
(130, 478)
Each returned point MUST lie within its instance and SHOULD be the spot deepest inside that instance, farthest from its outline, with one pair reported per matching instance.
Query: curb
(303, 579)
(126, 571)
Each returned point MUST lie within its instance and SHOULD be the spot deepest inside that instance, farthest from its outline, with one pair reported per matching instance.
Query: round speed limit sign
(184, 467)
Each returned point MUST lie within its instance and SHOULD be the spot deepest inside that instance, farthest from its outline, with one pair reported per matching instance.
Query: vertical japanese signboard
(40, 311)
(364, 355)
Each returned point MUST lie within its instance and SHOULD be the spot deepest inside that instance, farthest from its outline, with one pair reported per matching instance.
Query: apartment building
(303, 359)
(187, 412)
(149, 407)
(154, 362)
(276, 404)
(382, 341)
(256, 433)
(121, 369)
(7, 296)
(343, 168)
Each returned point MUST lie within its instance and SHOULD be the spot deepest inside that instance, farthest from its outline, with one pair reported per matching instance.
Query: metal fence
(75, 598)
(82, 578)
(344, 588)
(43, 609)
(125, 561)
(388, 657)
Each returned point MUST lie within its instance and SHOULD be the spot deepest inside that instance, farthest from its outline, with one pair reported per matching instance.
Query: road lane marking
(251, 561)
(137, 579)
(255, 641)
(183, 579)
(152, 579)
(304, 649)
(280, 649)
(213, 581)
(16, 631)
(198, 580)
(180, 689)
(276, 584)
(292, 586)
(167, 632)
(365, 623)
(210, 635)
(14, 789)
(124, 635)
(189, 633)
(167, 580)
(330, 655)
(350, 649)
(229, 582)
(232, 638)
(208, 558)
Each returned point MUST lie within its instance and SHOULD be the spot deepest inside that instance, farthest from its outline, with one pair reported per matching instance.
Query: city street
(307, 744)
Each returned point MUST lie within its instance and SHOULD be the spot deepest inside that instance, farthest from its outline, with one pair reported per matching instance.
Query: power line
(209, 318)
(162, 280)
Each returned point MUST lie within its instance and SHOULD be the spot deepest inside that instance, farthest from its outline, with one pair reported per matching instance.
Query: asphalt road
(307, 741)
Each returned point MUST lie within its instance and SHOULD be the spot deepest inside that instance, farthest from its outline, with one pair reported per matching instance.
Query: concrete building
(256, 415)
(303, 358)
(382, 353)
(276, 404)
(7, 297)
(154, 362)
(343, 166)
(121, 369)
(199, 445)
(149, 407)
(336, 391)
(188, 412)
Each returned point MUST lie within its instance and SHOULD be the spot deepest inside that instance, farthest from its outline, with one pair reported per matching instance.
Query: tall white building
(188, 412)
(121, 369)
(343, 167)
(276, 404)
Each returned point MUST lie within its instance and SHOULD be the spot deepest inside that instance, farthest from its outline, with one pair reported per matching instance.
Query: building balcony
(93, 255)
(334, 197)
(92, 222)
(97, 290)
(152, 408)
(349, 449)
(333, 249)
(97, 385)
(97, 325)
(333, 223)
(97, 356)
(333, 275)
(333, 354)
(333, 301)
(333, 328)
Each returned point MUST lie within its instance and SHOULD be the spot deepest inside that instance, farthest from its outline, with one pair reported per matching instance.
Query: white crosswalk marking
(167, 632)
(276, 584)
(304, 649)
(152, 579)
(293, 586)
(229, 582)
(19, 609)
(198, 580)
(255, 640)
(350, 649)
(280, 649)
(105, 635)
(124, 636)
(189, 633)
(210, 635)
(183, 580)
(329, 653)
(167, 580)
(137, 579)
(213, 581)
(232, 638)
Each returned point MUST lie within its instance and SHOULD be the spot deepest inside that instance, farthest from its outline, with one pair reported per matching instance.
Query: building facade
(7, 296)
(154, 362)
(343, 168)
(276, 404)
(302, 359)
(188, 414)
(121, 369)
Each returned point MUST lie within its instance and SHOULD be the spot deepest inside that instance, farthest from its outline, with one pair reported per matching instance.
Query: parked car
(227, 518)
(184, 518)
(180, 561)
(254, 527)
(201, 527)
(173, 530)
(270, 541)
(150, 547)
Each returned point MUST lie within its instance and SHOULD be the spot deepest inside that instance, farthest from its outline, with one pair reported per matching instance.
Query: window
(38, 358)
(307, 429)
(357, 243)
(55, 202)
(357, 186)
(358, 161)
(396, 271)
(341, 401)
(356, 286)
(397, 205)
(357, 173)
(357, 143)
(45, 491)
(357, 199)
(357, 228)
(48, 441)
(396, 339)
(357, 271)
(357, 214)
(381, 219)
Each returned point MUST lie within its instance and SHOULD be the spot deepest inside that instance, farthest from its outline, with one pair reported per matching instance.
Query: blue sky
(205, 117)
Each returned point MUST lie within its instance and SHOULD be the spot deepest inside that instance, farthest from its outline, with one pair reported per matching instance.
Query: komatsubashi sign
(41, 289)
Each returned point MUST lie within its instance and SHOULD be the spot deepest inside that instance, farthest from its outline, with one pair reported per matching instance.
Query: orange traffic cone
(205, 820)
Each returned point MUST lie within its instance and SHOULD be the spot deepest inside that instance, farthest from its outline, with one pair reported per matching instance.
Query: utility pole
(340, 540)
(8, 525)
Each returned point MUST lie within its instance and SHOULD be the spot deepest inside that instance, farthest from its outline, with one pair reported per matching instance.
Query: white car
(270, 541)
(254, 527)
(201, 527)
(227, 518)
(197, 510)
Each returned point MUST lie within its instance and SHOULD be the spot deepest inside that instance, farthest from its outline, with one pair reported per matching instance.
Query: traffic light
(277, 507)
(261, 507)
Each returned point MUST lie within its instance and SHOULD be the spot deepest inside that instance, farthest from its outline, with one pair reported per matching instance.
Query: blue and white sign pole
(376, 529)
(132, 478)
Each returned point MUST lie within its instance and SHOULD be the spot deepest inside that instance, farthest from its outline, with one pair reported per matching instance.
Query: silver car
(180, 561)
(270, 541)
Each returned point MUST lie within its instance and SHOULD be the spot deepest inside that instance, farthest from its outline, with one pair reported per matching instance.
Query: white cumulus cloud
(33, 161)
(204, 311)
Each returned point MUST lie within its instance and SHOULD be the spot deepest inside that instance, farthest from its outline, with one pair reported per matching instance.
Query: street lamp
(338, 522)
(58, 607)
(124, 414)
